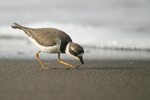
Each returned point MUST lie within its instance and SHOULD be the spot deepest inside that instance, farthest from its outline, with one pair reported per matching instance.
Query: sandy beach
(115, 36)
(95, 80)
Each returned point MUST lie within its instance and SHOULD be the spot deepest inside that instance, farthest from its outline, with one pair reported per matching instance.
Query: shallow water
(24, 49)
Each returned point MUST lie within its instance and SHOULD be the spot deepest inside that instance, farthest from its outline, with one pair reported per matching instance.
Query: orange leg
(65, 63)
(40, 60)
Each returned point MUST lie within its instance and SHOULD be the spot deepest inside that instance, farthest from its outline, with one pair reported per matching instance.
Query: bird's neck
(67, 48)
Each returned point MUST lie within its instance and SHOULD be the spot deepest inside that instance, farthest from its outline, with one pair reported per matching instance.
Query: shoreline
(95, 80)
(17, 49)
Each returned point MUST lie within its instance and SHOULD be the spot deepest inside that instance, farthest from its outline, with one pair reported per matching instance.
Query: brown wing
(47, 36)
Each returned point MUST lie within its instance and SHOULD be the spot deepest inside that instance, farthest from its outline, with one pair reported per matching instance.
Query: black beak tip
(81, 60)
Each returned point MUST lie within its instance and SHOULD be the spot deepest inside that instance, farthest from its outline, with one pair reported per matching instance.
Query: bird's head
(75, 51)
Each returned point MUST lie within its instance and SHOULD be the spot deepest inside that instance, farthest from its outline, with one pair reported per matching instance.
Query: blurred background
(107, 29)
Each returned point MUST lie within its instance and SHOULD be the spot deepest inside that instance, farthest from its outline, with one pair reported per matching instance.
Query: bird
(52, 40)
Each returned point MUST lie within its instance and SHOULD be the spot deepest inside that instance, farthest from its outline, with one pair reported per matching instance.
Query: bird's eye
(74, 53)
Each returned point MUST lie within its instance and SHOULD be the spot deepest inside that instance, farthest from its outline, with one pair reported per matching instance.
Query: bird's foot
(72, 67)
(77, 66)
(48, 68)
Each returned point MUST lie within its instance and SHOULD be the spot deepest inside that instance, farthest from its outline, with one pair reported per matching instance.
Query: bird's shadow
(110, 68)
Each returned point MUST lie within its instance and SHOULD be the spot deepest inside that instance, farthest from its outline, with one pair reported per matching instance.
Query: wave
(98, 37)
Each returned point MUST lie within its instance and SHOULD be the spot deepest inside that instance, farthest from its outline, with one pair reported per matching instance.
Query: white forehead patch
(81, 54)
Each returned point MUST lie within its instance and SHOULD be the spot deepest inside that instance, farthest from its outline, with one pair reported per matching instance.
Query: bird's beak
(81, 60)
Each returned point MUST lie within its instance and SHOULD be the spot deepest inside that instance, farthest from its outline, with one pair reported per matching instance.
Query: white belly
(50, 49)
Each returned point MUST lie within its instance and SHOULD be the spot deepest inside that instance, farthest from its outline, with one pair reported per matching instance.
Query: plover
(51, 40)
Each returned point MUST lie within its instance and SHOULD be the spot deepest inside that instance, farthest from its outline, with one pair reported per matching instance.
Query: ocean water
(107, 29)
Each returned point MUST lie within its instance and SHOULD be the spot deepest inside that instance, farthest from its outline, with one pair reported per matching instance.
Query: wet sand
(95, 80)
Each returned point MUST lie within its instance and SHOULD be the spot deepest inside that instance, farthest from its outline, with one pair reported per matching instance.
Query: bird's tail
(17, 26)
